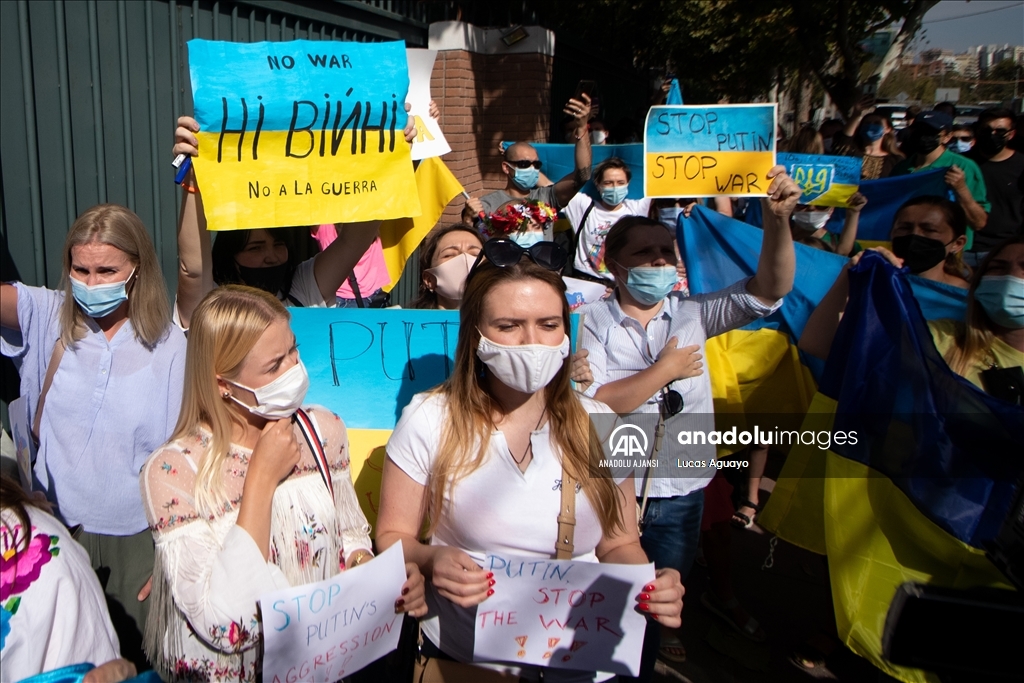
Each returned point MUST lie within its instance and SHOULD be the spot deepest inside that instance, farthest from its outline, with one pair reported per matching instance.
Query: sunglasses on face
(525, 163)
(964, 138)
(504, 253)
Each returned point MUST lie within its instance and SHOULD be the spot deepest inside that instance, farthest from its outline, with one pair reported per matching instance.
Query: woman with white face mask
(445, 259)
(807, 225)
(103, 358)
(252, 494)
(485, 455)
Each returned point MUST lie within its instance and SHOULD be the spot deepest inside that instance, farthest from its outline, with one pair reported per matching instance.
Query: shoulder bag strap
(579, 229)
(51, 370)
(316, 447)
(354, 284)
(566, 518)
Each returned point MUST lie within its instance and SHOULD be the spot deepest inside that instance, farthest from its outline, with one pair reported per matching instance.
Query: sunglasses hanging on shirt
(671, 402)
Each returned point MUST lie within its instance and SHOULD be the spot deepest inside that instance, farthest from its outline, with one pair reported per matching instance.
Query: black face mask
(270, 278)
(923, 143)
(992, 142)
(918, 253)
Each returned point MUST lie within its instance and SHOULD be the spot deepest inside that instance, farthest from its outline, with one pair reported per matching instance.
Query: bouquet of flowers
(516, 217)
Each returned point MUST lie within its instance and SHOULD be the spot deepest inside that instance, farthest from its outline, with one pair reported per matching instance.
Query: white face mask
(280, 398)
(811, 220)
(450, 276)
(527, 368)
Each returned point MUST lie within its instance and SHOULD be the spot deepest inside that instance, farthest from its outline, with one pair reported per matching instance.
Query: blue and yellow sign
(704, 151)
(825, 180)
(301, 133)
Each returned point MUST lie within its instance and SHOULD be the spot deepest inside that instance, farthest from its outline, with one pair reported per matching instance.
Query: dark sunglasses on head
(525, 163)
(504, 253)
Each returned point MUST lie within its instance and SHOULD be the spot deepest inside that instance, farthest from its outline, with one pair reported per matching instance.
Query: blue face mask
(614, 195)
(651, 284)
(1002, 298)
(669, 217)
(959, 146)
(874, 132)
(99, 301)
(526, 239)
(526, 178)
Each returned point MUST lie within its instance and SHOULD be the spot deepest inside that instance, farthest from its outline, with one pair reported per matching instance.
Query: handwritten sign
(704, 151)
(430, 141)
(825, 180)
(563, 614)
(301, 132)
(322, 631)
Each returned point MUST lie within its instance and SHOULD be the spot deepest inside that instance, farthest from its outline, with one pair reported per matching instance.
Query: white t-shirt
(589, 256)
(497, 508)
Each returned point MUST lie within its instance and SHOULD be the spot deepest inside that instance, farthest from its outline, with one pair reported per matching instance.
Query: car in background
(966, 114)
(897, 113)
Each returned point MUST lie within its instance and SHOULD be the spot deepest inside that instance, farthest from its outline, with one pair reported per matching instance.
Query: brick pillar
(487, 93)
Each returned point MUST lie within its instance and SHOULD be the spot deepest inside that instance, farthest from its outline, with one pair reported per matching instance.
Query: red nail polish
(490, 575)
(645, 596)
(405, 591)
(649, 587)
(644, 606)
(490, 592)
(491, 582)
(654, 616)
(399, 602)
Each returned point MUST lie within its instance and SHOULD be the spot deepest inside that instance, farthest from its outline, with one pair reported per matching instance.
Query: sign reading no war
(301, 132)
(704, 151)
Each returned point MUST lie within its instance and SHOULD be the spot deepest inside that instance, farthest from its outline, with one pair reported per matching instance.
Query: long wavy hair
(975, 337)
(471, 409)
(225, 327)
(148, 306)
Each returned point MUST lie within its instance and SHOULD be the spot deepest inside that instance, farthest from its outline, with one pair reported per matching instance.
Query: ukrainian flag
(928, 479)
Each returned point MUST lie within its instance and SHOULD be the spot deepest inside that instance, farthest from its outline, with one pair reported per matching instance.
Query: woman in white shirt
(483, 456)
(238, 503)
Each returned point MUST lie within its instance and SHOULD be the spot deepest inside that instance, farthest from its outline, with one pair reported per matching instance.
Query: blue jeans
(671, 530)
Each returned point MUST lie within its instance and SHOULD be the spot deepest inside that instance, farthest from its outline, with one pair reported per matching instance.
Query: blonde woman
(483, 457)
(116, 366)
(237, 502)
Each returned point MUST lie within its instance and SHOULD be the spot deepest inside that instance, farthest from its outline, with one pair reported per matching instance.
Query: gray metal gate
(90, 90)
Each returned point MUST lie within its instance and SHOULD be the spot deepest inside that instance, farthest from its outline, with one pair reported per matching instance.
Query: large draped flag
(885, 196)
(928, 480)
(400, 237)
(757, 369)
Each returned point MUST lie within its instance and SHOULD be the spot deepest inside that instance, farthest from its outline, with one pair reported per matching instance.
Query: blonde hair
(225, 327)
(974, 337)
(470, 408)
(148, 307)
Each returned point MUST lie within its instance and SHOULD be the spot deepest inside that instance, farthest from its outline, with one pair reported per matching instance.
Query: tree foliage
(737, 49)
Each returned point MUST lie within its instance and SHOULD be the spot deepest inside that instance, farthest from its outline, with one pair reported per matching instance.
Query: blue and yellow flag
(885, 196)
(924, 483)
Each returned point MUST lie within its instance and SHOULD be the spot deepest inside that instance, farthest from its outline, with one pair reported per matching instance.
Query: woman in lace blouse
(236, 500)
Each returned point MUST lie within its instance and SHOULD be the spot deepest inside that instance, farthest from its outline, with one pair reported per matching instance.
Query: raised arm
(195, 260)
(977, 217)
(821, 326)
(334, 264)
(9, 307)
(567, 187)
(777, 264)
(848, 235)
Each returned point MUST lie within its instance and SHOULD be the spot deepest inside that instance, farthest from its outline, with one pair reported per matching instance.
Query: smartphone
(588, 88)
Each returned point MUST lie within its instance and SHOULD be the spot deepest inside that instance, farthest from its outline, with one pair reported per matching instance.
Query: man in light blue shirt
(646, 341)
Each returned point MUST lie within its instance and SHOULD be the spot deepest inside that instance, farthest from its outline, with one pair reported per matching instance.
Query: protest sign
(825, 179)
(323, 631)
(563, 614)
(366, 365)
(705, 151)
(301, 132)
(429, 140)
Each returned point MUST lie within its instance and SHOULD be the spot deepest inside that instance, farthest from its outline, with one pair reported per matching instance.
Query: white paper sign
(429, 140)
(563, 614)
(21, 434)
(323, 631)
(579, 292)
